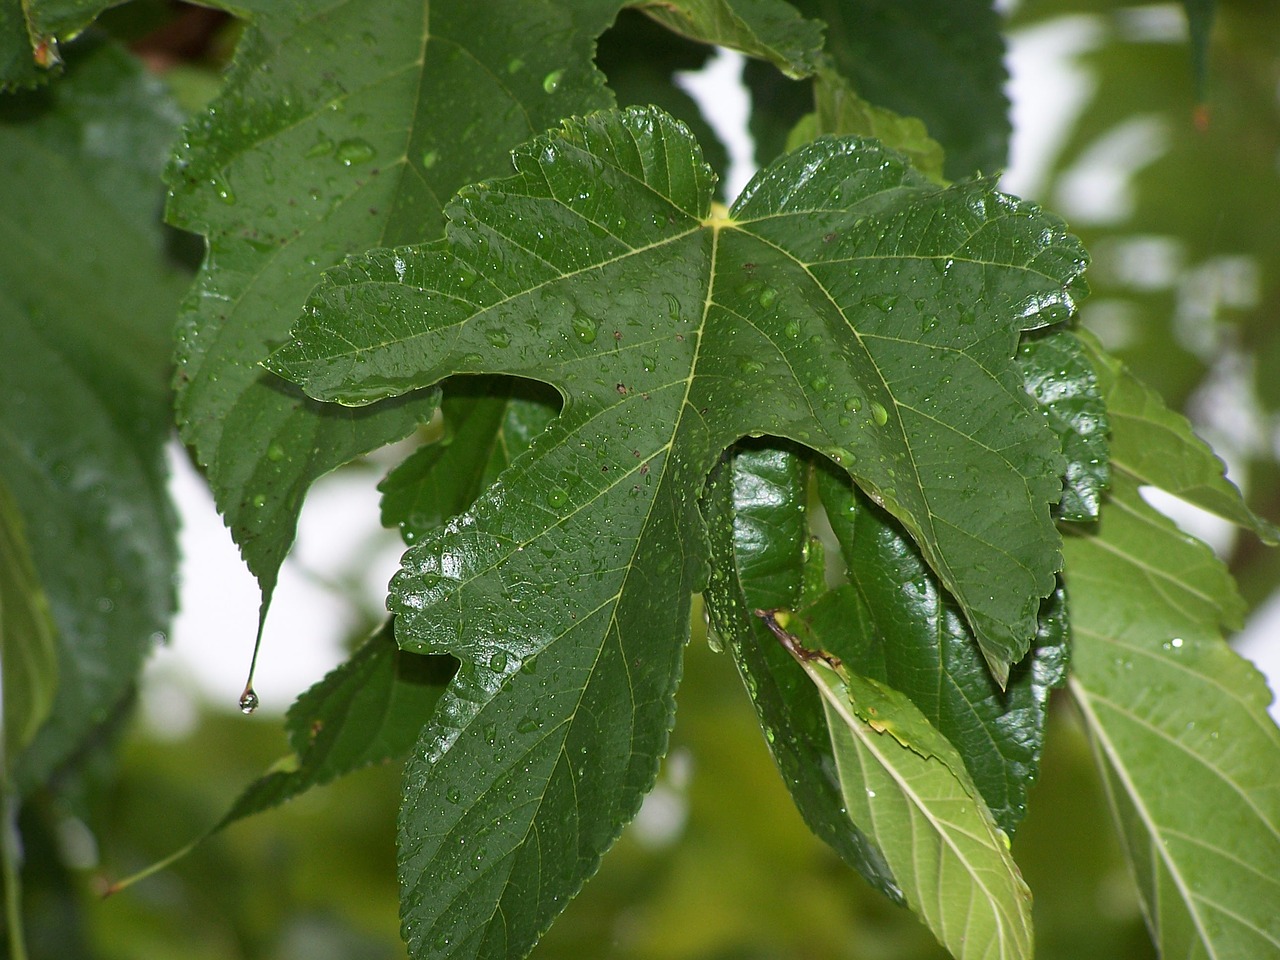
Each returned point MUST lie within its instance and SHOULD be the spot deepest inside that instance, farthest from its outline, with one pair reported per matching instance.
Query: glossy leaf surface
(756, 511)
(896, 625)
(83, 398)
(293, 167)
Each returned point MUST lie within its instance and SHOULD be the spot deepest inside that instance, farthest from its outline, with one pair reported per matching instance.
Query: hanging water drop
(248, 701)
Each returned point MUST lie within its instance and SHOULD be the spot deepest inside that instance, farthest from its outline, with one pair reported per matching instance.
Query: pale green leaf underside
(1165, 452)
(1188, 754)
(907, 788)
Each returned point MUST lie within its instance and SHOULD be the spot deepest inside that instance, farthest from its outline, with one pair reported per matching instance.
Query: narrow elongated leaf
(1179, 725)
(1163, 451)
(756, 512)
(906, 785)
(84, 408)
(294, 167)
(771, 30)
(896, 625)
(28, 647)
(672, 331)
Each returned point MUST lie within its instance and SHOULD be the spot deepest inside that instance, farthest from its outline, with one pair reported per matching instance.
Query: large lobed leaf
(1188, 753)
(670, 332)
(84, 407)
(294, 167)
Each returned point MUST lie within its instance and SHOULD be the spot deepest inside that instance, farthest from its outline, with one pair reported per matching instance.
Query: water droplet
(551, 82)
(355, 151)
(585, 327)
(429, 158)
(515, 65)
(498, 662)
(749, 366)
(853, 404)
(880, 413)
(499, 338)
(248, 701)
(557, 497)
(222, 190)
(527, 725)
(792, 329)
(260, 500)
(767, 296)
(321, 148)
(454, 795)
(275, 452)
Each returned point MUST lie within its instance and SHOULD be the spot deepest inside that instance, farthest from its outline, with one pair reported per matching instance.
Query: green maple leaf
(808, 311)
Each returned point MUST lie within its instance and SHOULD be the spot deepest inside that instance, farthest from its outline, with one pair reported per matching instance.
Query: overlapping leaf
(671, 332)
(942, 63)
(84, 407)
(894, 624)
(906, 781)
(1179, 723)
(293, 167)
(756, 514)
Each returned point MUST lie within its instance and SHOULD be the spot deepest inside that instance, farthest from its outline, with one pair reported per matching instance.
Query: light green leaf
(1188, 753)
(293, 167)
(671, 331)
(906, 785)
(84, 406)
(771, 30)
(1163, 451)
(28, 647)
(1180, 730)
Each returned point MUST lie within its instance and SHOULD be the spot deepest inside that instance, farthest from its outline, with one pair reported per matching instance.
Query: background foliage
(1184, 278)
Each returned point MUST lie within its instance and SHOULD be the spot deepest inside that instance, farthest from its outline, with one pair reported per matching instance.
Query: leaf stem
(9, 843)
(773, 619)
(129, 881)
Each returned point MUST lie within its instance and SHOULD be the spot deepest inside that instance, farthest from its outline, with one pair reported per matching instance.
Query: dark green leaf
(672, 331)
(895, 624)
(1200, 21)
(294, 167)
(1060, 377)
(83, 398)
(28, 647)
(941, 62)
(755, 511)
(487, 422)
(771, 30)
(369, 710)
